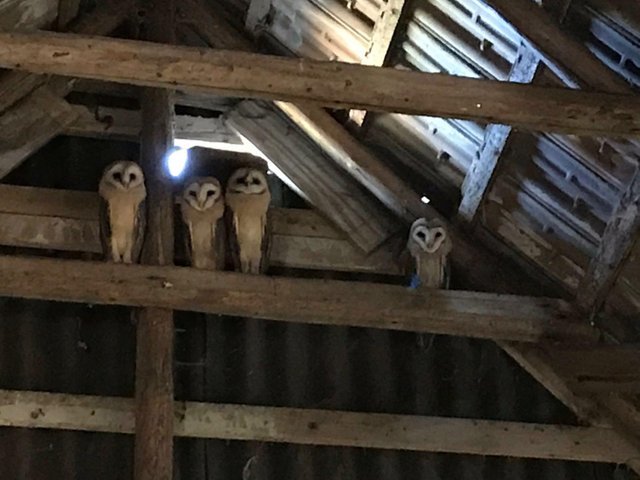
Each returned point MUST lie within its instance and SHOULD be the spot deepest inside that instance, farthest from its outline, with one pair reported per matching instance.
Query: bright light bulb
(177, 161)
(425, 200)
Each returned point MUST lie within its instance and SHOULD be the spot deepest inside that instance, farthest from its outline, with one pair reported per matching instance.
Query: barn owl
(122, 211)
(429, 246)
(248, 199)
(202, 205)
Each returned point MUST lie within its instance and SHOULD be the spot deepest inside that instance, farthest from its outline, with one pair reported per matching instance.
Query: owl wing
(266, 241)
(220, 246)
(105, 229)
(140, 230)
(187, 245)
(232, 238)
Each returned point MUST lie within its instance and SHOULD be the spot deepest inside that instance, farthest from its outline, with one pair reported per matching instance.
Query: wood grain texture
(326, 83)
(103, 20)
(31, 124)
(359, 304)
(68, 221)
(119, 123)
(154, 389)
(564, 54)
(322, 427)
(615, 246)
(327, 187)
(485, 166)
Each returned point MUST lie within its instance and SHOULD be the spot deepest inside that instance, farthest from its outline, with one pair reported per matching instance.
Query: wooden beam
(30, 125)
(484, 166)
(326, 83)
(153, 455)
(68, 221)
(379, 48)
(326, 186)
(104, 19)
(600, 369)
(27, 14)
(120, 123)
(615, 245)
(358, 304)
(322, 427)
(34, 113)
(565, 55)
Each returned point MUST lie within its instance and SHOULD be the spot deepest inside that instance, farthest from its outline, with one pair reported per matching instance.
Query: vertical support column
(154, 356)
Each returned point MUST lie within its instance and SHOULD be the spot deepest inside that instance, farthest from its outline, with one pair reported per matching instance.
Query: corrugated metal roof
(554, 194)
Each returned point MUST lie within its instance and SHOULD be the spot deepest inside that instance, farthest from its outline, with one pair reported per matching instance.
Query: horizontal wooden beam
(121, 123)
(330, 84)
(322, 427)
(310, 301)
(68, 221)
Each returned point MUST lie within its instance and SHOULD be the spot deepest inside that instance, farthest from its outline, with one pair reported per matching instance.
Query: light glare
(425, 200)
(177, 161)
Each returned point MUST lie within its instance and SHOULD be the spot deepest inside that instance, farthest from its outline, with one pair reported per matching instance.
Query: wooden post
(154, 356)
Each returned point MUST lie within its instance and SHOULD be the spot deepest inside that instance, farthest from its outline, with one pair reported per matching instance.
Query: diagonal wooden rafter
(322, 427)
(22, 94)
(31, 124)
(331, 84)
(355, 158)
(570, 59)
(370, 171)
(485, 165)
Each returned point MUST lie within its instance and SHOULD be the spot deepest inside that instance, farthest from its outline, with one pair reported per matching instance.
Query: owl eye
(438, 235)
(117, 176)
(133, 177)
(210, 193)
(422, 235)
(255, 181)
(193, 193)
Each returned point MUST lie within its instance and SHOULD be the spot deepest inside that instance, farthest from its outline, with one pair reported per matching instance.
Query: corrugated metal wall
(90, 349)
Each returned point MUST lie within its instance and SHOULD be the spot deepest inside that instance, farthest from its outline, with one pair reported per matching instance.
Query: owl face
(124, 175)
(428, 239)
(248, 181)
(202, 193)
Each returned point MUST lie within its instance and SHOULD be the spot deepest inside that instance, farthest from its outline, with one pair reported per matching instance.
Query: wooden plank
(359, 304)
(338, 144)
(610, 410)
(31, 124)
(379, 48)
(327, 187)
(484, 166)
(601, 369)
(331, 84)
(104, 19)
(322, 427)
(615, 246)
(68, 221)
(126, 124)
(565, 55)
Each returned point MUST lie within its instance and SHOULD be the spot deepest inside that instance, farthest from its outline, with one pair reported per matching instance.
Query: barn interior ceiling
(546, 206)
